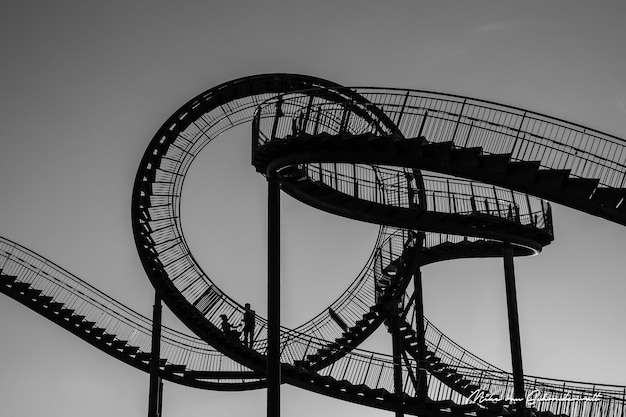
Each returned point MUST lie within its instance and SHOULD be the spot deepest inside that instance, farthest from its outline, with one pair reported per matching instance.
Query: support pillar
(273, 296)
(422, 388)
(514, 334)
(397, 355)
(155, 399)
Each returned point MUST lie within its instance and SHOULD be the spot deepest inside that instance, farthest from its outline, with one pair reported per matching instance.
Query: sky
(84, 86)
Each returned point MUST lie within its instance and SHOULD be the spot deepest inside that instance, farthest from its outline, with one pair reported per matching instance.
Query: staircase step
(552, 178)
(361, 388)
(433, 359)
(327, 381)
(55, 306)
(370, 315)
(377, 308)
(469, 157)
(336, 345)
(410, 146)
(608, 197)
(20, 286)
(496, 163)
(472, 387)
(66, 312)
(324, 352)
(7, 279)
(32, 293)
(313, 358)
(581, 187)
(463, 382)
(378, 393)
(76, 319)
(44, 299)
(175, 369)
(107, 338)
(97, 331)
(344, 384)
(524, 170)
(442, 404)
(303, 364)
(130, 350)
(436, 367)
(454, 377)
(362, 323)
(380, 143)
(119, 344)
(349, 335)
(441, 150)
(87, 325)
(145, 357)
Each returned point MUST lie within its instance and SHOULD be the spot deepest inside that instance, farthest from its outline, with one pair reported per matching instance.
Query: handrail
(125, 323)
(495, 128)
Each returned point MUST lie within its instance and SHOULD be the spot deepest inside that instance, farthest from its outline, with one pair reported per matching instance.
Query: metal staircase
(446, 177)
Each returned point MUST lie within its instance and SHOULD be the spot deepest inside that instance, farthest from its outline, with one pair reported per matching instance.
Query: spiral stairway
(445, 177)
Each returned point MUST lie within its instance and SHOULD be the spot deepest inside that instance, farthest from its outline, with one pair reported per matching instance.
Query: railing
(527, 136)
(107, 313)
(544, 394)
(394, 186)
(162, 232)
(373, 369)
(158, 207)
(498, 132)
(350, 306)
(359, 367)
(466, 122)
(284, 116)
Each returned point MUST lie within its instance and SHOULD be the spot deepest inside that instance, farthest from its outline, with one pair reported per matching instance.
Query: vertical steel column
(273, 295)
(156, 385)
(422, 389)
(396, 344)
(514, 334)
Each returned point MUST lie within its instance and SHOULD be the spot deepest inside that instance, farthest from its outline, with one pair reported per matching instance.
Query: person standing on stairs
(248, 325)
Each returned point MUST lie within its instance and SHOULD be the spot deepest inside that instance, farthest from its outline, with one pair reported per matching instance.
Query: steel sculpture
(444, 176)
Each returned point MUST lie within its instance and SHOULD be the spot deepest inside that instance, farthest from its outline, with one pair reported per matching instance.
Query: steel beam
(155, 399)
(273, 296)
(514, 333)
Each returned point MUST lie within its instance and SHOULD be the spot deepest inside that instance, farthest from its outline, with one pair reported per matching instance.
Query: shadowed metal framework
(446, 177)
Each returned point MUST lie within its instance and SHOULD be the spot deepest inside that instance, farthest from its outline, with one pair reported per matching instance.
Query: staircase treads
(552, 178)
(608, 197)
(469, 157)
(496, 163)
(524, 170)
(440, 150)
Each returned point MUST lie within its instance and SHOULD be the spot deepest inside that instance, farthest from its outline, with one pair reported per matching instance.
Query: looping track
(444, 176)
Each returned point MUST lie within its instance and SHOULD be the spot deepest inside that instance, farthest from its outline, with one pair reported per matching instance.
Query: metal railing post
(419, 134)
(458, 121)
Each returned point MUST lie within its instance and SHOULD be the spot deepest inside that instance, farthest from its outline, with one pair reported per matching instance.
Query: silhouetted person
(227, 328)
(411, 191)
(248, 325)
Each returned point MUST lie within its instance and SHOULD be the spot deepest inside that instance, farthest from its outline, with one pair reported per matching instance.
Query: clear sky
(83, 87)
